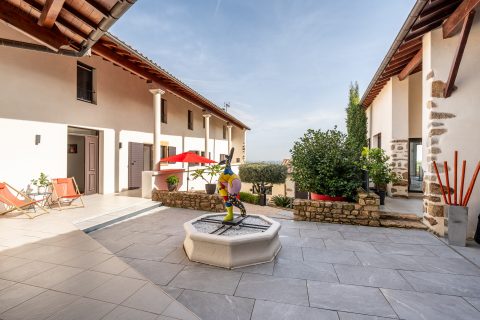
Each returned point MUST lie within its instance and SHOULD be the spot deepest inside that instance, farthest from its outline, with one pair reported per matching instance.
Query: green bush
(172, 180)
(375, 161)
(249, 198)
(283, 201)
(323, 163)
(262, 175)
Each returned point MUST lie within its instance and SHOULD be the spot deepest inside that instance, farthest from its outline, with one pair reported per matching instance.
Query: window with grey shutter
(190, 119)
(164, 111)
(172, 151)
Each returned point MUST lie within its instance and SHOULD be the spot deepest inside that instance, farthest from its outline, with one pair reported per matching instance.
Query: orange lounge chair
(65, 192)
(12, 202)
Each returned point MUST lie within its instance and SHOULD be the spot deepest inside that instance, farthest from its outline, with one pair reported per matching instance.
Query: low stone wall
(190, 200)
(365, 212)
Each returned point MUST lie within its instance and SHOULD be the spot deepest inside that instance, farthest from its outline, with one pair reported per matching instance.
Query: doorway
(415, 171)
(140, 158)
(82, 158)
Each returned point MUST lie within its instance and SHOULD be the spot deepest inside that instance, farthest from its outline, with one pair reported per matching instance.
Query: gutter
(36, 47)
(412, 17)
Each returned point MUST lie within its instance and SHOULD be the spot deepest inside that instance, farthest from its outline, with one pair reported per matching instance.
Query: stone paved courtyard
(323, 271)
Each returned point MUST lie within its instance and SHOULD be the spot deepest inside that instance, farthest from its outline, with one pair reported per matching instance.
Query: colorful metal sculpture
(229, 186)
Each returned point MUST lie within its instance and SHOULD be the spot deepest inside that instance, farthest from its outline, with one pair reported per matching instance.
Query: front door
(135, 165)
(415, 171)
(91, 164)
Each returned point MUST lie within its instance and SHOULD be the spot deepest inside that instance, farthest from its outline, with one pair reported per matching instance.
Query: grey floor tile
(179, 311)
(52, 277)
(217, 306)
(207, 279)
(113, 265)
(286, 290)
(124, 313)
(363, 236)
(52, 254)
(357, 316)
(145, 238)
(158, 272)
(8, 263)
(349, 245)
(114, 245)
(116, 289)
(176, 256)
(390, 261)
(443, 251)
(311, 270)
(411, 305)
(343, 297)
(82, 283)
(84, 309)
(403, 249)
(132, 273)
(150, 298)
(87, 260)
(453, 265)
(330, 256)
(173, 241)
(146, 252)
(290, 232)
(302, 242)
(262, 268)
(321, 233)
(372, 277)
(450, 284)
(267, 310)
(40, 307)
(172, 291)
(26, 271)
(474, 302)
(416, 239)
(297, 224)
(17, 294)
(292, 253)
(5, 284)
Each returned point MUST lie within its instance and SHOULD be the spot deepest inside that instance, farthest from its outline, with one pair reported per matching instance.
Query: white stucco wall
(415, 105)
(399, 109)
(382, 116)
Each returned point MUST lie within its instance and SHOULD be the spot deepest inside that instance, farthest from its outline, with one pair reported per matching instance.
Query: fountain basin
(253, 241)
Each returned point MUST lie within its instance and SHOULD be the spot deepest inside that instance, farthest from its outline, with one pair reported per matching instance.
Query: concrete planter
(457, 225)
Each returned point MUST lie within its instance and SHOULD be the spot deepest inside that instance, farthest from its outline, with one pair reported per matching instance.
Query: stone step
(399, 216)
(408, 224)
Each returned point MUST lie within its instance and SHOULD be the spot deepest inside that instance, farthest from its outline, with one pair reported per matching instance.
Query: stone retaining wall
(365, 212)
(190, 200)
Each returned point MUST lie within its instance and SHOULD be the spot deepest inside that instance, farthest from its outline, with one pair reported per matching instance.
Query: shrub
(323, 163)
(262, 175)
(172, 180)
(249, 198)
(282, 201)
(375, 161)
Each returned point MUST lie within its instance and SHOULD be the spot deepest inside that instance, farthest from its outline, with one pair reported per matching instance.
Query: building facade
(423, 104)
(99, 119)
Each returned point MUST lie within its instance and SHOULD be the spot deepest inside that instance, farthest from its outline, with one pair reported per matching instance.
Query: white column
(229, 136)
(207, 132)
(157, 114)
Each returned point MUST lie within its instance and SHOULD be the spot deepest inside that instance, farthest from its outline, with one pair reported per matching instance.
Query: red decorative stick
(440, 182)
(462, 182)
(447, 181)
(472, 184)
(455, 165)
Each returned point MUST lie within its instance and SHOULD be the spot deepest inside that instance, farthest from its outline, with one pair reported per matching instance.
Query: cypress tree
(356, 121)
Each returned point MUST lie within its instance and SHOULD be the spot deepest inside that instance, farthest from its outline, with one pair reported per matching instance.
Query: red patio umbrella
(188, 157)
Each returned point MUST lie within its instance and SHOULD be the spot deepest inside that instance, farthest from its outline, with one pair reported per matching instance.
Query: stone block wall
(365, 212)
(399, 159)
(190, 200)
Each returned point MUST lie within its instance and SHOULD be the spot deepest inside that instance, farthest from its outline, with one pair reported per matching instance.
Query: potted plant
(42, 183)
(172, 182)
(209, 171)
(375, 161)
(324, 165)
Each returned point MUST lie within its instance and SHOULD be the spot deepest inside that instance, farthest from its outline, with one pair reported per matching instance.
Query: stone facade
(365, 212)
(190, 200)
(399, 158)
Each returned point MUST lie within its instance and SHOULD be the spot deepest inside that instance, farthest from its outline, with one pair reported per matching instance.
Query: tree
(356, 121)
(262, 175)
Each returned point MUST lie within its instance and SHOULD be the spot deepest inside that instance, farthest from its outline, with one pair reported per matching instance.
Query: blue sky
(284, 65)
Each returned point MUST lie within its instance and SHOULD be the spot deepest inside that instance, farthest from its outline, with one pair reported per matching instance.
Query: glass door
(415, 172)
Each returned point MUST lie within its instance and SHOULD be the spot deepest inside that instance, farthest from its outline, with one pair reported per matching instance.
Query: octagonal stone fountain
(249, 240)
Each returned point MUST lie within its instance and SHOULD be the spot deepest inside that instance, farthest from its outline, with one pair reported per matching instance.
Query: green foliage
(249, 198)
(375, 161)
(42, 181)
(324, 164)
(262, 175)
(356, 121)
(209, 171)
(282, 201)
(172, 180)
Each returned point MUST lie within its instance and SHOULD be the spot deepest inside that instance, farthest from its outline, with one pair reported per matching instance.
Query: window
(224, 132)
(379, 140)
(171, 152)
(163, 112)
(193, 164)
(190, 119)
(85, 85)
(163, 152)
(203, 122)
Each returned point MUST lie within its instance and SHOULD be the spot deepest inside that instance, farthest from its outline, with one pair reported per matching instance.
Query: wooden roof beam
(458, 17)
(467, 25)
(50, 12)
(412, 65)
(98, 7)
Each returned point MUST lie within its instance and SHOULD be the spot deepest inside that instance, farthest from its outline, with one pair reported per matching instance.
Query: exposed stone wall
(190, 200)
(399, 158)
(365, 212)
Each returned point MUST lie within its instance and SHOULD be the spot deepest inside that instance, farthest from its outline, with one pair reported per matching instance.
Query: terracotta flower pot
(316, 196)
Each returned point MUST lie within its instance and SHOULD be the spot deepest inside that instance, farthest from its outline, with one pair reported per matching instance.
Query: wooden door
(135, 165)
(91, 164)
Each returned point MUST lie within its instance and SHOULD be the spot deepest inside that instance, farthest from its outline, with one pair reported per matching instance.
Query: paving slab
(83, 282)
(158, 272)
(343, 297)
(84, 309)
(302, 242)
(17, 294)
(292, 253)
(268, 310)
(311, 270)
(403, 249)
(150, 299)
(262, 268)
(330, 256)
(372, 277)
(52, 277)
(321, 233)
(146, 252)
(207, 279)
(357, 316)
(124, 313)
(411, 305)
(116, 289)
(349, 245)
